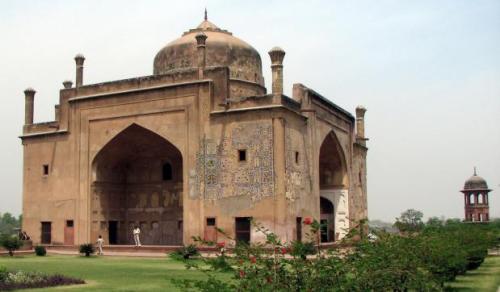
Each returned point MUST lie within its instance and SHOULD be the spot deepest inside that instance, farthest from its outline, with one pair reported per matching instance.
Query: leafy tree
(10, 243)
(8, 223)
(410, 221)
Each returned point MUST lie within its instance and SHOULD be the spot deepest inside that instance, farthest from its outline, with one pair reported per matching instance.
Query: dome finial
(206, 14)
(475, 172)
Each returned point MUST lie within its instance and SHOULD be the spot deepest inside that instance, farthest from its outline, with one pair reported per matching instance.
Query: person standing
(137, 232)
(100, 243)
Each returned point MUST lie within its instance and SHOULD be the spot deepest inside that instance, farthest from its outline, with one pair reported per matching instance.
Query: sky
(427, 71)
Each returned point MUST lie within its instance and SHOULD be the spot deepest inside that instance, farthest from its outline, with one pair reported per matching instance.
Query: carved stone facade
(224, 175)
(197, 146)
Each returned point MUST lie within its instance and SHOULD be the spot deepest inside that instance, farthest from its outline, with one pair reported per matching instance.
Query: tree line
(9, 223)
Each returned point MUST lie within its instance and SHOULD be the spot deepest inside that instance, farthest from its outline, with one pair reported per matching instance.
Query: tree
(10, 243)
(410, 221)
(8, 223)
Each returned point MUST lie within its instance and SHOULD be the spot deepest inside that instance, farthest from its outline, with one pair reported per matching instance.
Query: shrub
(24, 280)
(442, 255)
(3, 274)
(87, 249)
(302, 249)
(185, 252)
(418, 260)
(10, 243)
(392, 263)
(40, 250)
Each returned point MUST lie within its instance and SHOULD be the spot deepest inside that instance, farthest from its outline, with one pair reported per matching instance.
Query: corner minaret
(360, 125)
(29, 100)
(476, 199)
(277, 55)
(79, 59)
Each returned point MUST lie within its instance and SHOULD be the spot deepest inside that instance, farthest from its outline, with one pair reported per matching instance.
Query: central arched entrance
(333, 190)
(137, 181)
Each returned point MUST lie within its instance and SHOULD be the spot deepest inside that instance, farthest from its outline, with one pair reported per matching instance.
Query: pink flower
(308, 221)
(253, 260)
(242, 274)
(284, 250)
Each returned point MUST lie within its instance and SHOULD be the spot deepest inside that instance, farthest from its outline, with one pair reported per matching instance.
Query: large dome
(223, 49)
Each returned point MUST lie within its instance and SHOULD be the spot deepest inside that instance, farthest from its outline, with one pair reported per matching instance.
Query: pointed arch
(129, 188)
(332, 164)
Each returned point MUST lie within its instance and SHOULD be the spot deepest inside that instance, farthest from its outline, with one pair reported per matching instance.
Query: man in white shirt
(100, 243)
(136, 232)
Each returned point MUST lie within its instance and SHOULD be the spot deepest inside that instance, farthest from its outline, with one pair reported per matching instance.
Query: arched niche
(129, 189)
(332, 164)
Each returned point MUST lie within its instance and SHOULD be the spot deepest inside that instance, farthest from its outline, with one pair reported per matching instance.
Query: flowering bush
(420, 261)
(22, 280)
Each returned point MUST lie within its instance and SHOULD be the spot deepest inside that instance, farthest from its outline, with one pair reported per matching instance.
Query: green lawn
(154, 274)
(106, 273)
(486, 278)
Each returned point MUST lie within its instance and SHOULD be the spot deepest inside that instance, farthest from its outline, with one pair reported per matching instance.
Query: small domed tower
(476, 199)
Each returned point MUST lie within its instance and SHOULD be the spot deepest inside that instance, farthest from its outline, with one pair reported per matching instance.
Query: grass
(486, 278)
(154, 274)
(107, 273)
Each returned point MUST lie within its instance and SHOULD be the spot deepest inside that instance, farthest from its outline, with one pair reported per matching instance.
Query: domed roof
(222, 49)
(475, 182)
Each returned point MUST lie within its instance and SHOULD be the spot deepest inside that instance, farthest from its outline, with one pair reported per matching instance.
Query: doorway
(242, 229)
(113, 232)
(69, 233)
(327, 220)
(211, 229)
(46, 232)
(298, 229)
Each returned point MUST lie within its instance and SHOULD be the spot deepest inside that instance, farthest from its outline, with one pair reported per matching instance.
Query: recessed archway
(137, 181)
(333, 186)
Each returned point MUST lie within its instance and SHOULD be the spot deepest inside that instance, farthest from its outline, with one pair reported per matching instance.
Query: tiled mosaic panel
(225, 176)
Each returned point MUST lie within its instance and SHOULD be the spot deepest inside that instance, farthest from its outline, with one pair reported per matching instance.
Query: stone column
(202, 54)
(79, 59)
(29, 99)
(277, 55)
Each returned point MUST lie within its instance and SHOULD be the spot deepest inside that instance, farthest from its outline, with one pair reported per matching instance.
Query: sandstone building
(197, 145)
